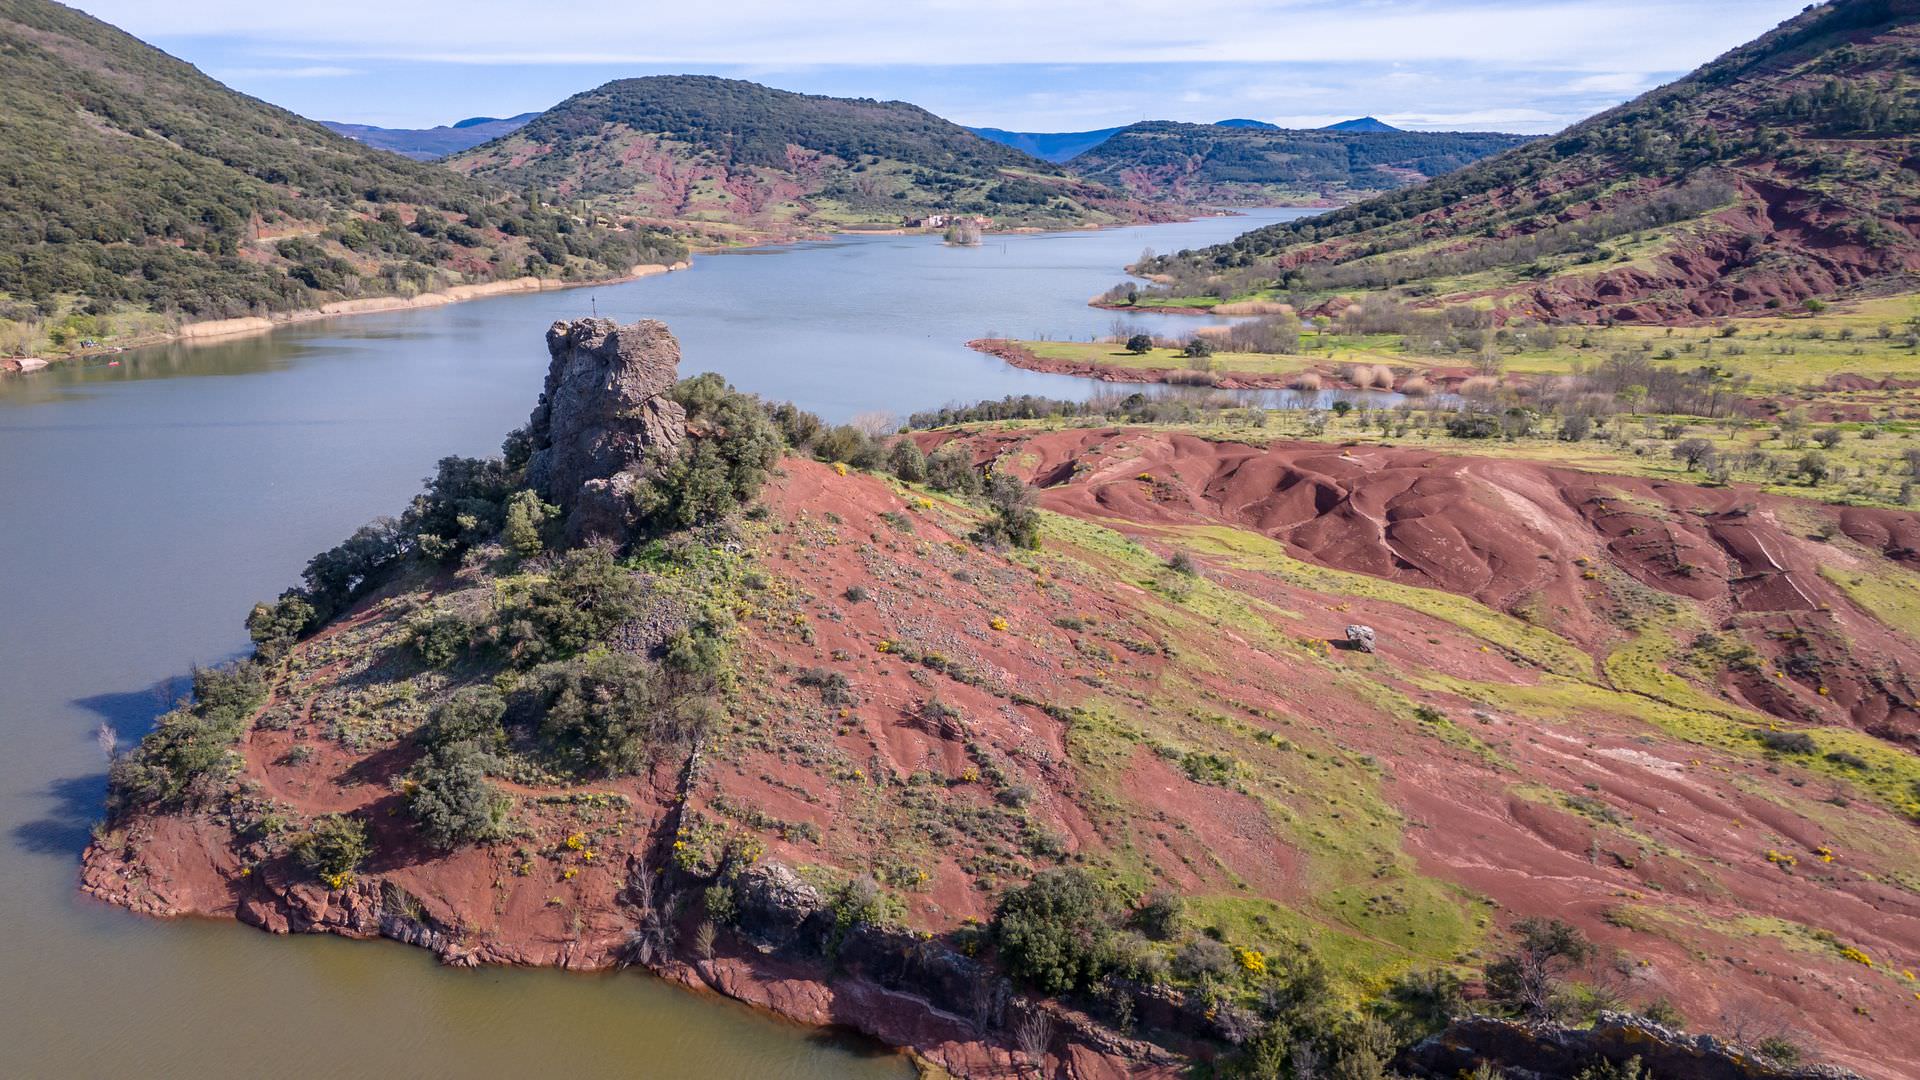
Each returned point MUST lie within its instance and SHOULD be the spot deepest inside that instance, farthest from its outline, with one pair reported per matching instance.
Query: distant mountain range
(1061, 147)
(729, 156)
(426, 144)
(1055, 147)
(1783, 172)
(1241, 165)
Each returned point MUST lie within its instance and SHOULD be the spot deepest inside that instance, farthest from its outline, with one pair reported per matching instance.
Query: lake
(148, 505)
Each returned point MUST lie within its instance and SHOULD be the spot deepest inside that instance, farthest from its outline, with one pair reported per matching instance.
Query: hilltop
(1215, 164)
(427, 144)
(1057, 147)
(139, 193)
(1363, 123)
(1038, 737)
(738, 157)
(1779, 174)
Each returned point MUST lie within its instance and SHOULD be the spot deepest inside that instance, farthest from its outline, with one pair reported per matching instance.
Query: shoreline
(1017, 355)
(209, 330)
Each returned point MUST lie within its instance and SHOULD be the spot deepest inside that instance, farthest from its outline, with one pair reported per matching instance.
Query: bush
(1160, 917)
(275, 627)
(1473, 425)
(950, 468)
(463, 505)
(710, 475)
(605, 715)
(1528, 980)
(1140, 344)
(1052, 933)
(1786, 742)
(452, 801)
(339, 575)
(1015, 523)
(1203, 959)
(333, 848)
(528, 521)
(186, 759)
(473, 715)
(438, 640)
(906, 461)
(849, 445)
(587, 594)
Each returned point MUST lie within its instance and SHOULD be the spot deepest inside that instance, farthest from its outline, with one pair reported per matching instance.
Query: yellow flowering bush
(1252, 961)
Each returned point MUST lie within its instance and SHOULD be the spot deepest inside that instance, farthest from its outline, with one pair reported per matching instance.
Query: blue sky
(1060, 65)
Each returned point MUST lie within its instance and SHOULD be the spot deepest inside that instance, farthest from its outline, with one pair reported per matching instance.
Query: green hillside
(733, 154)
(1781, 173)
(136, 192)
(1255, 166)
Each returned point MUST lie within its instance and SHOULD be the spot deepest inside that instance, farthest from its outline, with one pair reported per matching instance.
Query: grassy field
(1779, 353)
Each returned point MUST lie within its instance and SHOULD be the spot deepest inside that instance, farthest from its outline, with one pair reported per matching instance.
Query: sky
(1528, 66)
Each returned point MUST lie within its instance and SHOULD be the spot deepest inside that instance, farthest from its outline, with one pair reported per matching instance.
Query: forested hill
(1216, 163)
(734, 154)
(136, 191)
(427, 144)
(1780, 174)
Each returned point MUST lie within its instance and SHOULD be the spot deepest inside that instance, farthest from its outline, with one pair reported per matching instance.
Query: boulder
(603, 410)
(1360, 637)
(775, 902)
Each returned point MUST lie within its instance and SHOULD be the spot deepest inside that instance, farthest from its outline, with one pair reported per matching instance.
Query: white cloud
(1602, 36)
(310, 71)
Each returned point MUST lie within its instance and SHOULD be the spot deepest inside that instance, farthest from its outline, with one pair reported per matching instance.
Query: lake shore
(226, 329)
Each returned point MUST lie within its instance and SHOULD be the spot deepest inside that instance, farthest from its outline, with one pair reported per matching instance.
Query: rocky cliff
(603, 411)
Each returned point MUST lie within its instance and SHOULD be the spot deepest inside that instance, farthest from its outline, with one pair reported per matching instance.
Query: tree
(1694, 452)
(1015, 522)
(1052, 932)
(906, 461)
(1813, 466)
(1197, 348)
(1140, 344)
(452, 800)
(527, 519)
(1530, 979)
(950, 468)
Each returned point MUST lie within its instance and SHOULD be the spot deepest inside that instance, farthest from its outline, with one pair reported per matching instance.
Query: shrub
(275, 627)
(438, 640)
(606, 714)
(1786, 742)
(473, 715)
(850, 445)
(1425, 1000)
(580, 602)
(1052, 933)
(906, 461)
(1473, 425)
(186, 759)
(1529, 979)
(452, 801)
(333, 848)
(1015, 523)
(797, 427)
(463, 505)
(1203, 959)
(712, 474)
(339, 575)
(1161, 915)
(1140, 344)
(950, 468)
(528, 521)
(1182, 563)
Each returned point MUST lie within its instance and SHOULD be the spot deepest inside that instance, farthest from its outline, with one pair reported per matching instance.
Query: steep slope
(1055, 146)
(1214, 163)
(1781, 172)
(426, 144)
(723, 152)
(135, 191)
